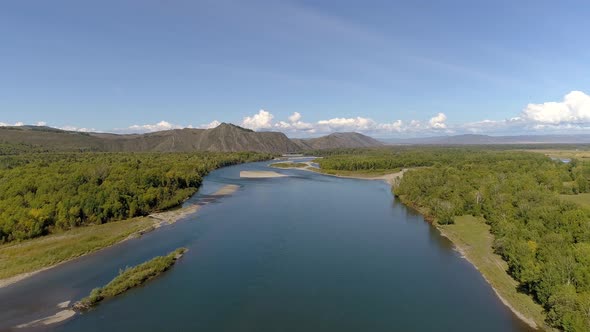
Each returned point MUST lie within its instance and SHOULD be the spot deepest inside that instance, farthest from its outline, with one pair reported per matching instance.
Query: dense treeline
(12, 149)
(385, 158)
(545, 240)
(41, 192)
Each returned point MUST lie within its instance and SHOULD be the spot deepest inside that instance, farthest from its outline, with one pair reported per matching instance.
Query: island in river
(301, 252)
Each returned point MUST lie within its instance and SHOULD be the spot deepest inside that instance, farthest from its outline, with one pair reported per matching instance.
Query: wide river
(302, 253)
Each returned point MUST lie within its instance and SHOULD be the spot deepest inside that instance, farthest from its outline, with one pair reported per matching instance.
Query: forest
(544, 239)
(45, 192)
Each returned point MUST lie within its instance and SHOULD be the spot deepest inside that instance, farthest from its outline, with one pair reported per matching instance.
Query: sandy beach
(389, 178)
(260, 174)
(57, 318)
(172, 216)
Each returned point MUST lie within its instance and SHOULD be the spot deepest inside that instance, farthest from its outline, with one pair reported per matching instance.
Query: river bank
(22, 260)
(384, 175)
(473, 240)
(475, 245)
(257, 245)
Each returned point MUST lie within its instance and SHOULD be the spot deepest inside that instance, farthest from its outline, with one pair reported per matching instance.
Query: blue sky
(387, 68)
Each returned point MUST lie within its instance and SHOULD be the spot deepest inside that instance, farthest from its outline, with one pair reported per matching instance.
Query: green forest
(41, 193)
(544, 239)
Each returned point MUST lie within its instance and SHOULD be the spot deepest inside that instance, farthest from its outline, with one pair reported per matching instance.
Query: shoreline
(159, 219)
(171, 216)
(261, 175)
(390, 178)
(463, 250)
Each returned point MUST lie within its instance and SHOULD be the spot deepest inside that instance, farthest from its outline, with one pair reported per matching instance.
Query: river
(301, 253)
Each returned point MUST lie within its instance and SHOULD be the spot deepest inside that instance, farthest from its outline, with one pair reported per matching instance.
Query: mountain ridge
(337, 140)
(224, 138)
(231, 138)
(478, 139)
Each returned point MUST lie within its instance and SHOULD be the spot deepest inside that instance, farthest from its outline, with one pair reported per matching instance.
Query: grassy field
(360, 174)
(130, 278)
(581, 199)
(35, 254)
(581, 154)
(473, 238)
(289, 165)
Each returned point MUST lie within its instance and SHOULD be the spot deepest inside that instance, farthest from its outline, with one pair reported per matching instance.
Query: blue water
(302, 253)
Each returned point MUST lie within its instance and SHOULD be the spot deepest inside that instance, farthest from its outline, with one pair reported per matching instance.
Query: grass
(581, 154)
(289, 165)
(580, 199)
(363, 173)
(130, 278)
(35, 254)
(472, 237)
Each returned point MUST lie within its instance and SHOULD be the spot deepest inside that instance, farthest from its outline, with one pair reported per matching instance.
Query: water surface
(301, 253)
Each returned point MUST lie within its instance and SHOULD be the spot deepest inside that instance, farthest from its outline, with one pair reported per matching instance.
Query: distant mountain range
(225, 138)
(337, 140)
(470, 139)
(230, 138)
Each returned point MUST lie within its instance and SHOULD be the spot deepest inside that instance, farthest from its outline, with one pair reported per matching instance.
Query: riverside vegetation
(43, 193)
(528, 200)
(56, 206)
(129, 278)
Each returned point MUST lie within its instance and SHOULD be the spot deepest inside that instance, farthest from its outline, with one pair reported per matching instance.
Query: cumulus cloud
(294, 124)
(348, 124)
(570, 114)
(43, 123)
(74, 128)
(149, 128)
(261, 120)
(396, 126)
(574, 109)
(162, 125)
(17, 124)
(210, 125)
(295, 117)
(165, 125)
(438, 121)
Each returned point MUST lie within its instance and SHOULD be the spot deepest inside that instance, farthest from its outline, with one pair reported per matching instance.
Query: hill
(224, 138)
(470, 139)
(337, 140)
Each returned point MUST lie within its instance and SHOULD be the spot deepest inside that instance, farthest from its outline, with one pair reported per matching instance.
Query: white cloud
(295, 117)
(149, 128)
(294, 125)
(261, 120)
(162, 125)
(396, 126)
(73, 128)
(210, 125)
(348, 124)
(567, 116)
(17, 124)
(574, 109)
(438, 121)
(41, 124)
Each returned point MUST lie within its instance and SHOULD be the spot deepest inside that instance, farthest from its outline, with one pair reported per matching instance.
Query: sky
(385, 68)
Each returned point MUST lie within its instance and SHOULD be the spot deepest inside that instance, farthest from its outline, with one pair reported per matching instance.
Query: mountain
(225, 138)
(231, 138)
(470, 139)
(337, 140)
